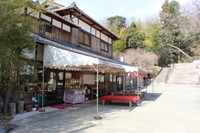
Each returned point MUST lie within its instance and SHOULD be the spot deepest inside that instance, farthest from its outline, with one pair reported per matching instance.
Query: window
(48, 28)
(104, 46)
(45, 28)
(84, 38)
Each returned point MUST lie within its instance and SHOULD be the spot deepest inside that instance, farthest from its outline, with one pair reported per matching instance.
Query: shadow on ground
(78, 118)
(151, 96)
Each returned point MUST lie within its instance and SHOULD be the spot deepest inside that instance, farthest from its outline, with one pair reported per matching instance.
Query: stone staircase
(184, 73)
(161, 77)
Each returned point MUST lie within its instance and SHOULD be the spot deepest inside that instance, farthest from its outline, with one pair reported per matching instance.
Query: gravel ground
(169, 109)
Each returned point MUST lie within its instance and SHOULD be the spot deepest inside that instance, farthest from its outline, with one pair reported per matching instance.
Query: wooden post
(103, 102)
(130, 104)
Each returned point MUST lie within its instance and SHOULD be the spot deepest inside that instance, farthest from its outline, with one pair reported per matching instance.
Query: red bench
(130, 99)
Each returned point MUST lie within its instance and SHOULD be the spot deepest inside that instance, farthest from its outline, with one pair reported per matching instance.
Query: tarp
(57, 57)
(61, 55)
(60, 58)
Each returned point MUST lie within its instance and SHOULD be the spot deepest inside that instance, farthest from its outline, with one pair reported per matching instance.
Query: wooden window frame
(83, 41)
(105, 47)
(43, 28)
(48, 28)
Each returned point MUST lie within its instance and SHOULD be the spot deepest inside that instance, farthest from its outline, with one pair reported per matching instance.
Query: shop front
(74, 77)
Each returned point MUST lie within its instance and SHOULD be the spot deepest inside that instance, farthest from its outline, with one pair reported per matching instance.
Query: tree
(164, 13)
(135, 36)
(119, 45)
(15, 29)
(191, 26)
(139, 57)
(152, 40)
(172, 39)
(116, 23)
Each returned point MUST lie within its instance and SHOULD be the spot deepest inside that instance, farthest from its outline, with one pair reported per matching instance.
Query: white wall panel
(109, 40)
(56, 23)
(67, 17)
(32, 13)
(45, 17)
(35, 14)
(104, 37)
(93, 31)
(97, 33)
(84, 26)
(75, 20)
(66, 28)
(29, 10)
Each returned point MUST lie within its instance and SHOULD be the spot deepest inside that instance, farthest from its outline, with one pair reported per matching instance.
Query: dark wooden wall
(56, 33)
(72, 38)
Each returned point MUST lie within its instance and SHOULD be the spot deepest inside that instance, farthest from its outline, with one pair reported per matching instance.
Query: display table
(130, 99)
(74, 97)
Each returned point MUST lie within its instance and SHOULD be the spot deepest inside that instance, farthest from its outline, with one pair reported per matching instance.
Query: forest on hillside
(172, 37)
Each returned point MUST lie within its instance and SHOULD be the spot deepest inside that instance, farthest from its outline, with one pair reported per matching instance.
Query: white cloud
(144, 12)
(150, 10)
(122, 9)
(182, 1)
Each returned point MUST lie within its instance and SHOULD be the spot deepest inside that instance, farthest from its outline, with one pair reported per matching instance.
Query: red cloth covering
(120, 98)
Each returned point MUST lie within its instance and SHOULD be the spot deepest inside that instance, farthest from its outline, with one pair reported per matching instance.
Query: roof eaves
(96, 23)
(45, 11)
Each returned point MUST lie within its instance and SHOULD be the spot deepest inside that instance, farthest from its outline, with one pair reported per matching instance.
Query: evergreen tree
(116, 23)
(171, 37)
(119, 45)
(135, 36)
(152, 40)
(164, 13)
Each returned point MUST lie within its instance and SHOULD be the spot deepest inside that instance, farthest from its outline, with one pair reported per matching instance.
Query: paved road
(170, 109)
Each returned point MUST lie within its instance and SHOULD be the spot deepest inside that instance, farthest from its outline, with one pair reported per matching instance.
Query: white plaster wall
(75, 20)
(67, 17)
(66, 28)
(109, 40)
(56, 23)
(35, 14)
(93, 31)
(45, 17)
(29, 10)
(84, 26)
(104, 37)
(97, 33)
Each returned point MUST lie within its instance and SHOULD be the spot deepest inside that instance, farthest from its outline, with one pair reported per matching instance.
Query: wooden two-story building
(75, 54)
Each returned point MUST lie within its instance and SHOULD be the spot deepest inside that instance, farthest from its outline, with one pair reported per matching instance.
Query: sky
(99, 10)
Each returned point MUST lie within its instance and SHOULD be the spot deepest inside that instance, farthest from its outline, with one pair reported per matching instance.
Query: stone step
(185, 73)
